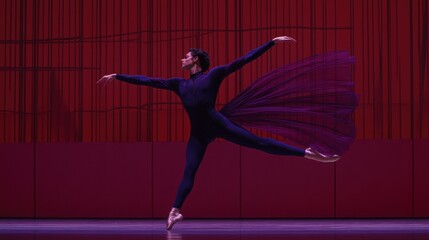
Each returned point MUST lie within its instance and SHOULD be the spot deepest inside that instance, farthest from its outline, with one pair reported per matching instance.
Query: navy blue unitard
(198, 95)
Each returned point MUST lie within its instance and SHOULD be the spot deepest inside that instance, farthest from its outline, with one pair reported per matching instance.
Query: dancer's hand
(283, 39)
(106, 79)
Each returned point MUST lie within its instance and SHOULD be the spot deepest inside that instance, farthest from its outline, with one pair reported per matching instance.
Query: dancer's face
(188, 61)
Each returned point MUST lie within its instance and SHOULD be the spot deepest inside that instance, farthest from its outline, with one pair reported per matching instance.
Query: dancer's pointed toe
(174, 217)
(315, 155)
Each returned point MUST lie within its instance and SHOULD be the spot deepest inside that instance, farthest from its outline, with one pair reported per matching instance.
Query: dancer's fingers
(105, 80)
(283, 38)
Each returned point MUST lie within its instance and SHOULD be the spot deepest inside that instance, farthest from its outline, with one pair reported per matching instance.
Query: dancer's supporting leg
(195, 150)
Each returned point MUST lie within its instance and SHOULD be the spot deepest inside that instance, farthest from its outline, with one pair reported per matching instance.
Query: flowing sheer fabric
(309, 102)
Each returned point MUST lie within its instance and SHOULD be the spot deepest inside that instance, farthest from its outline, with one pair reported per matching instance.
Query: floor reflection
(215, 229)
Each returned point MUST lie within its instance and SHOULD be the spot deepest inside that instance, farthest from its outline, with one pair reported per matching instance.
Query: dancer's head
(196, 56)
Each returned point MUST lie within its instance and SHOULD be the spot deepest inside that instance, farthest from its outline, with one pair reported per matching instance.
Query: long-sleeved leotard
(198, 95)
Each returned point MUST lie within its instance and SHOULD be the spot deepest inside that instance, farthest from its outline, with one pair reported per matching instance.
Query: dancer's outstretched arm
(223, 71)
(170, 83)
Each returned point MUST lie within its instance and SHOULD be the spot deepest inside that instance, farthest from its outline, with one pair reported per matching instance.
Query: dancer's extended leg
(241, 136)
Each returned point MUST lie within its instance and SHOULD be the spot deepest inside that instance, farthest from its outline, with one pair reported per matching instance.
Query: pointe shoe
(173, 218)
(315, 155)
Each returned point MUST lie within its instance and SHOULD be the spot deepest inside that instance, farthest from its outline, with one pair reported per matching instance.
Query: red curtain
(53, 52)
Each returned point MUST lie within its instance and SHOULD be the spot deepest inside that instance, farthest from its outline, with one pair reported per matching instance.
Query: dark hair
(203, 57)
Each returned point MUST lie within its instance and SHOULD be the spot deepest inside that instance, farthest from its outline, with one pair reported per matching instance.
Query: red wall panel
(285, 187)
(374, 179)
(93, 180)
(17, 180)
(421, 178)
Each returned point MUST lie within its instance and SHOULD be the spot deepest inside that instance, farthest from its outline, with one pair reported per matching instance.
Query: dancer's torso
(198, 95)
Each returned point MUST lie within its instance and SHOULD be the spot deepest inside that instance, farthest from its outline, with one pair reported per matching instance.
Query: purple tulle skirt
(309, 102)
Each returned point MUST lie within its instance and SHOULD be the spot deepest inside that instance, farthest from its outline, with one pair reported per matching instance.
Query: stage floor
(379, 229)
